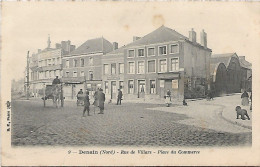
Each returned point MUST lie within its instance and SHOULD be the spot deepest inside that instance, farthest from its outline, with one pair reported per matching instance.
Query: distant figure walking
(95, 103)
(251, 101)
(56, 81)
(86, 104)
(244, 97)
(101, 101)
(169, 94)
(119, 97)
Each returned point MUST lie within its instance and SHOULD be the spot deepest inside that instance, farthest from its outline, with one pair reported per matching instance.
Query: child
(86, 104)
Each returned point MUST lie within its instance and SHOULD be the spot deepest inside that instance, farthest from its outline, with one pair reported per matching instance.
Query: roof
(214, 67)
(94, 46)
(160, 35)
(223, 58)
(117, 51)
(244, 63)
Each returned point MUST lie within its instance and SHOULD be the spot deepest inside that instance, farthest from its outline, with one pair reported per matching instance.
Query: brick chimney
(135, 38)
(203, 38)
(192, 35)
(115, 45)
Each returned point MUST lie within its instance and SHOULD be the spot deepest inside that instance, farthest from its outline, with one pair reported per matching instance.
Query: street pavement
(130, 124)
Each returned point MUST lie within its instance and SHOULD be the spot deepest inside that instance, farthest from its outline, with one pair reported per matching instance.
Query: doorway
(141, 88)
(113, 89)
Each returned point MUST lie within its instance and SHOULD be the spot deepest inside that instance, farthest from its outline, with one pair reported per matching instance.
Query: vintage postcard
(130, 83)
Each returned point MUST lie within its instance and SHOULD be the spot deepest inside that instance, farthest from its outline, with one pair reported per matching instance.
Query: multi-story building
(113, 72)
(82, 68)
(46, 65)
(161, 60)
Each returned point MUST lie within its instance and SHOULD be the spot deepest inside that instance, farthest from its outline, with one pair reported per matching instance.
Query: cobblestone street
(125, 125)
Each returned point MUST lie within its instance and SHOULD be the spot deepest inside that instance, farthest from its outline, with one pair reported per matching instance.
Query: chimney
(115, 45)
(242, 57)
(135, 38)
(203, 38)
(58, 45)
(72, 47)
(192, 35)
(39, 50)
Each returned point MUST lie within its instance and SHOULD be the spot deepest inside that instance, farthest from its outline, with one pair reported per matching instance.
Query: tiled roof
(222, 58)
(117, 51)
(94, 46)
(160, 35)
(245, 63)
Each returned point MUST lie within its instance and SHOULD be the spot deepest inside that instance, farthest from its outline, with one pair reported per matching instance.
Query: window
(131, 53)
(82, 74)
(75, 63)
(45, 74)
(90, 75)
(131, 67)
(152, 86)
(131, 86)
(175, 64)
(163, 65)
(121, 85)
(106, 87)
(67, 63)
(53, 61)
(49, 62)
(81, 62)
(140, 69)
(55, 73)
(162, 50)
(174, 48)
(121, 68)
(105, 68)
(151, 52)
(67, 74)
(58, 60)
(113, 68)
(91, 61)
(75, 74)
(140, 52)
(151, 66)
(45, 62)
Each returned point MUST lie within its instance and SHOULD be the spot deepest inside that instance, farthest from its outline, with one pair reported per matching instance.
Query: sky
(230, 27)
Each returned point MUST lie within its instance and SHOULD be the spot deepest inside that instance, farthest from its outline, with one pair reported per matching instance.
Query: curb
(228, 120)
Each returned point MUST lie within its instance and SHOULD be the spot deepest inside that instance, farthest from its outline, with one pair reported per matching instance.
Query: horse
(56, 93)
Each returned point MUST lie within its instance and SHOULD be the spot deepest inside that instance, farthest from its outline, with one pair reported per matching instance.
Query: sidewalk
(229, 113)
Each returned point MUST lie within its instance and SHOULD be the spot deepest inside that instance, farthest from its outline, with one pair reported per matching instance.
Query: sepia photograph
(149, 83)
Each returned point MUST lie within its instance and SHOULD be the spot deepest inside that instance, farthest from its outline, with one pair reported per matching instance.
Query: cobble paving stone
(129, 124)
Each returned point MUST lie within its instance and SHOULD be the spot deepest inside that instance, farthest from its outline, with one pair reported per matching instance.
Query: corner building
(163, 60)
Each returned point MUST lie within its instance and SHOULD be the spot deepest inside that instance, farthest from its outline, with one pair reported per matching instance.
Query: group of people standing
(99, 100)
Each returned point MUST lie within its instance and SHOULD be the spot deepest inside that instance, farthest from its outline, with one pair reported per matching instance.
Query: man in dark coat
(56, 81)
(119, 97)
(86, 104)
(101, 101)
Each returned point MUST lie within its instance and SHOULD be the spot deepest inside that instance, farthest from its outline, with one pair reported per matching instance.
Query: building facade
(82, 68)
(160, 61)
(46, 65)
(228, 75)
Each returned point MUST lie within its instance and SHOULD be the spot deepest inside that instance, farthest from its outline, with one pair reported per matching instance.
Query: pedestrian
(86, 104)
(251, 101)
(169, 94)
(119, 97)
(244, 97)
(95, 96)
(101, 101)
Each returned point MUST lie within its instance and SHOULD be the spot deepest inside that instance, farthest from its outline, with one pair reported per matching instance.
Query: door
(113, 89)
(141, 88)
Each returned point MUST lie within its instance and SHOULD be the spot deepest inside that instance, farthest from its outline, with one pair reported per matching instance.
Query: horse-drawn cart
(55, 93)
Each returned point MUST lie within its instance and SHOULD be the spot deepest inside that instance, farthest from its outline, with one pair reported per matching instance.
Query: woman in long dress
(244, 97)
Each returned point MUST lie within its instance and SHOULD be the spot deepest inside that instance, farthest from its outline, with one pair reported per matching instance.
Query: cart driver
(56, 81)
